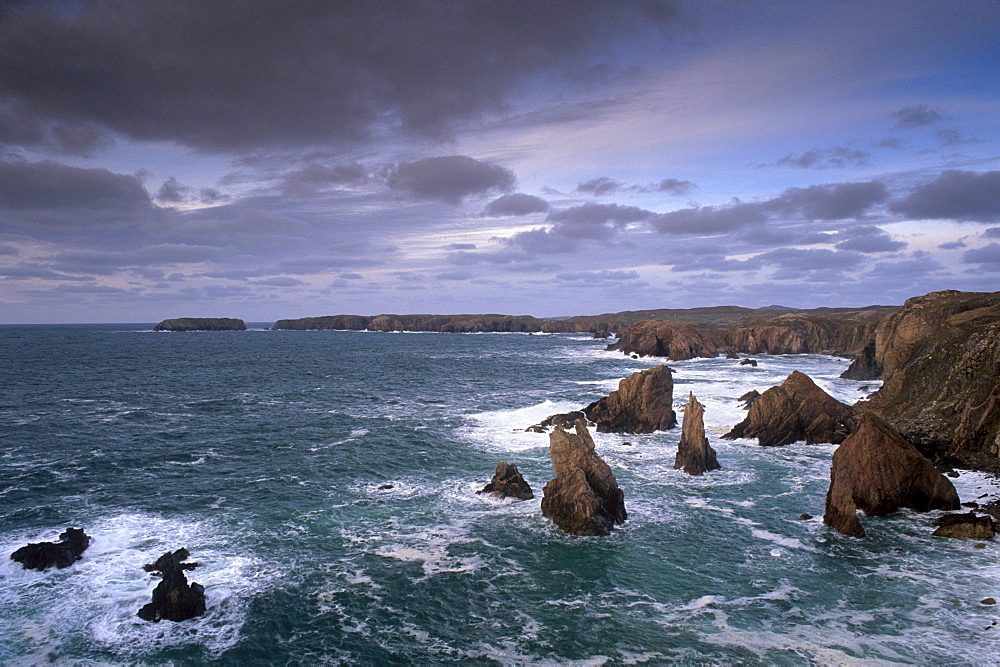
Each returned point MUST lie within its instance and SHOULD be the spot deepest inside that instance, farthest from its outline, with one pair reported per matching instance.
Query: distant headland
(201, 324)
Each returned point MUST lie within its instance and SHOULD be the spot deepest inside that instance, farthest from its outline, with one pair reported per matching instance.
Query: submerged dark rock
(694, 455)
(877, 471)
(584, 498)
(43, 555)
(508, 483)
(173, 598)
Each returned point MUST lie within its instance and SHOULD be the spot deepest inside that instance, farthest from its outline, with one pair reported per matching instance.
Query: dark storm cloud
(987, 257)
(599, 186)
(711, 219)
(449, 179)
(516, 203)
(589, 215)
(173, 192)
(964, 196)
(107, 262)
(868, 239)
(916, 116)
(232, 74)
(585, 222)
(315, 177)
(900, 274)
(49, 185)
(834, 158)
(20, 128)
(675, 186)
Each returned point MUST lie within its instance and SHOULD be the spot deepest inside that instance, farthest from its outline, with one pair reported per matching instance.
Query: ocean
(325, 482)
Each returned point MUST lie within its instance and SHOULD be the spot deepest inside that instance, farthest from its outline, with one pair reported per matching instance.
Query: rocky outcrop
(173, 598)
(43, 555)
(694, 455)
(584, 498)
(748, 398)
(940, 356)
(749, 362)
(966, 525)
(820, 331)
(508, 483)
(643, 403)
(564, 419)
(794, 410)
(877, 471)
(864, 366)
(201, 324)
(658, 338)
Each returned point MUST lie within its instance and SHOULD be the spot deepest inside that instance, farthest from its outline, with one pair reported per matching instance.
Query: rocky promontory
(877, 471)
(584, 498)
(694, 455)
(201, 324)
(794, 410)
(672, 340)
(643, 403)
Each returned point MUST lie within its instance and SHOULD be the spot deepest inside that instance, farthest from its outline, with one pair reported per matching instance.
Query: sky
(269, 160)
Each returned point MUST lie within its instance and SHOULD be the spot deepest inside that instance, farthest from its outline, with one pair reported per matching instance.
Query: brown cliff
(694, 455)
(584, 498)
(673, 340)
(877, 471)
(843, 334)
(794, 410)
(643, 403)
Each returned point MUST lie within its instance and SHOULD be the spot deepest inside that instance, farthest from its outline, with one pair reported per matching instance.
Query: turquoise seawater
(267, 455)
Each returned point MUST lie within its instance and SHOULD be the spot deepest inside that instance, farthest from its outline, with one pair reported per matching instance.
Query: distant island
(201, 324)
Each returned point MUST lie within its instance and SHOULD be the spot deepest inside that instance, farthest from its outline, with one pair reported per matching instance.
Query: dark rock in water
(749, 362)
(965, 525)
(952, 474)
(43, 555)
(600, 333)
(694, 455)
(972, 504)
(643, 403)
(987, 601)
(805, 517)
(508, 483)
(565, 419)
(635, 356)
(748, 398)
(877, 471)
(863, 387)
(201, 324)
(173, 598)
(795, 410)
(732, 355)
(584, 498)
(386, 487)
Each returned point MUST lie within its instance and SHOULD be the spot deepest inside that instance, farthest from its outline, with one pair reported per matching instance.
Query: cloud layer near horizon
(163, 159)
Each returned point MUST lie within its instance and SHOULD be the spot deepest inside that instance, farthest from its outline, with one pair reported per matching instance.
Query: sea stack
(694, 455)
(43, 555)
(643, 403)
(508, 483)
(877, 471)
(794, 410)
(584, 498)
(173, 598)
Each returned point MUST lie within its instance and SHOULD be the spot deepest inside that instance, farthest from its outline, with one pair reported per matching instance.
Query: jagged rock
(660, 338)
(965, 525)
(584, 498)
(805, 516)
(43, 555)
(877, 471)
(201, 324)
(941, 359)
(795, 410)
(732, 355)
(749, 362)
(173, 598)
(694, 455)
(864, 366)
(643, 403)
(564, 419)
(748, 398)
(508, 483)
(600, 333)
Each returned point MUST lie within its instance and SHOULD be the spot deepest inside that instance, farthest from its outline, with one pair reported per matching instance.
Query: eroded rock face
(966, 525)
(941, 361)
(694, 455)
(795, 410)
(801, 333)
(877, 471)
(660, 338)
(43, 555)
(748, 398)
(508, 483)
(584, 498)
(643, 403)
(173, 598)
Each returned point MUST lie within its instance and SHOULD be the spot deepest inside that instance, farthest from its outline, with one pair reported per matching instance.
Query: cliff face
(798, 333)
(201, 324)
(673, 340)
(940, 357)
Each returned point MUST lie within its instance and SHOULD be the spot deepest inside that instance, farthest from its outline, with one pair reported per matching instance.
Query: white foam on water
(430, 546)
(503, 430)
(96, 599)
